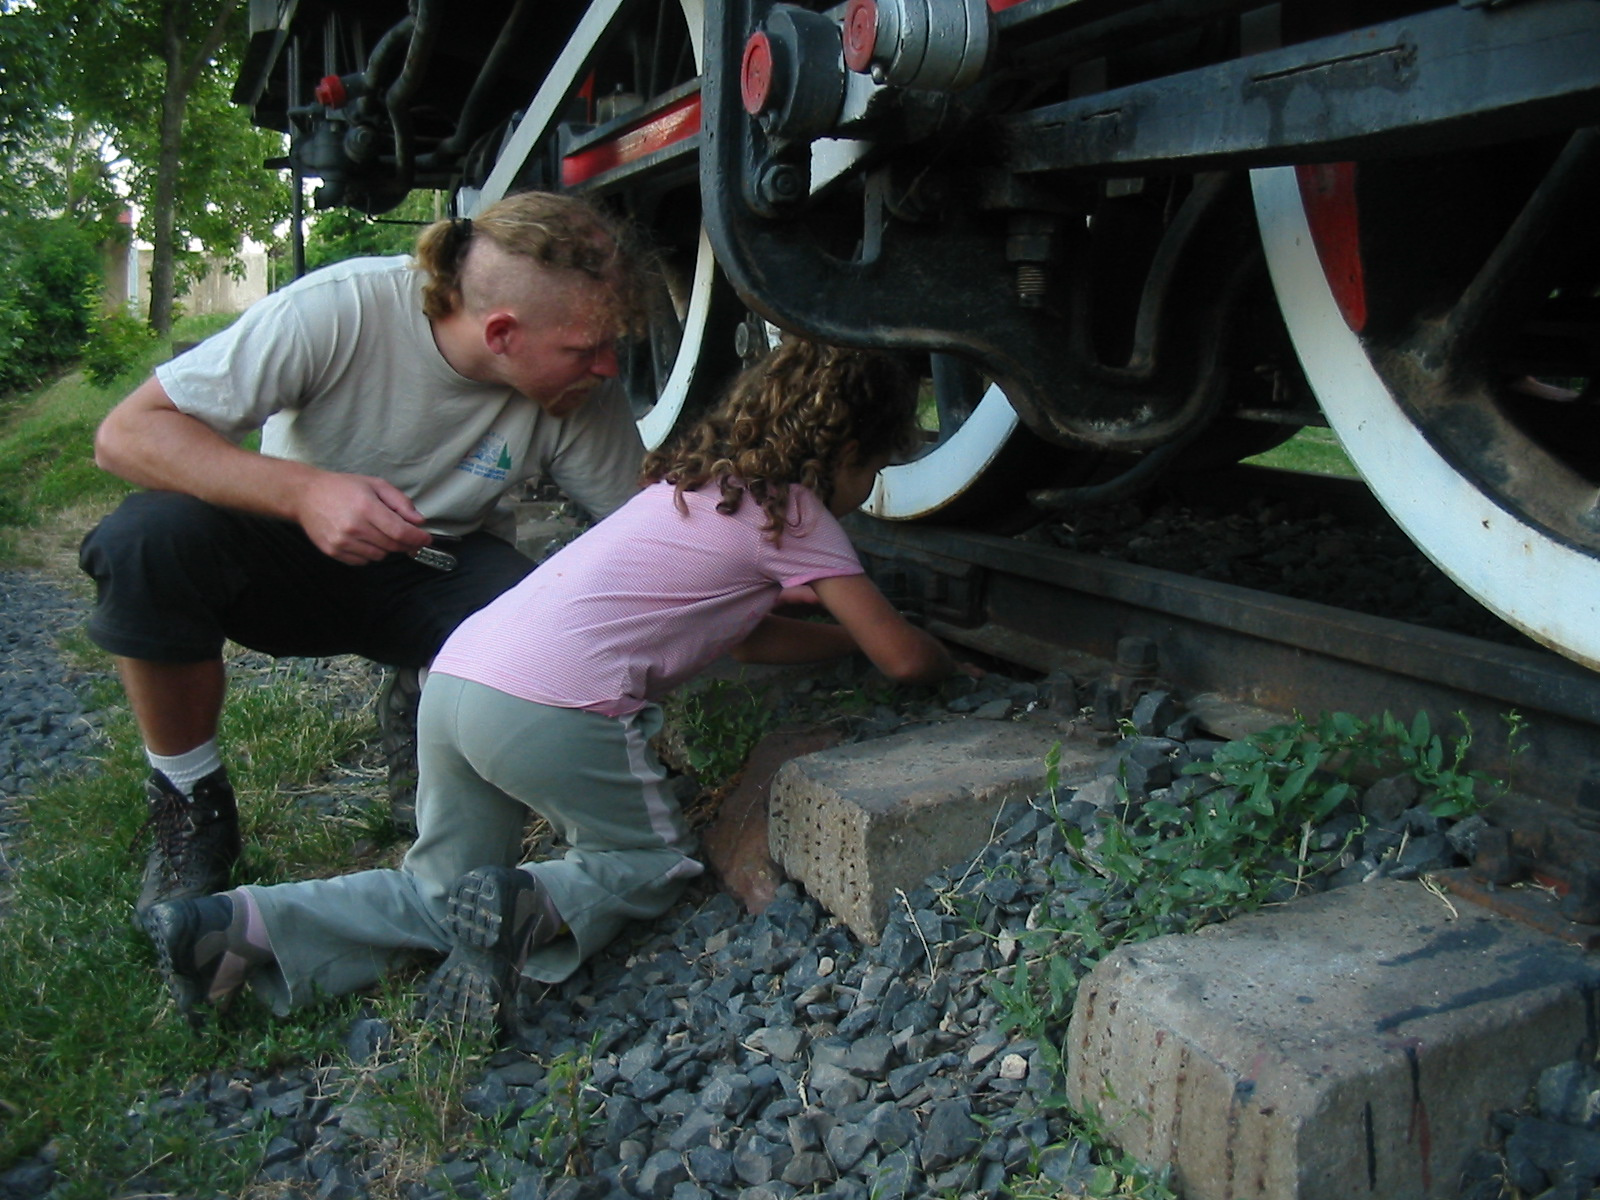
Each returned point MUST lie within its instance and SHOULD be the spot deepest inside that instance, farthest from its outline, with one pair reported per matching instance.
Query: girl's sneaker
(495, 916)
(202, 949)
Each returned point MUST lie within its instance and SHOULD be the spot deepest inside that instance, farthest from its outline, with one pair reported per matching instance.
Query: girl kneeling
(547, 699)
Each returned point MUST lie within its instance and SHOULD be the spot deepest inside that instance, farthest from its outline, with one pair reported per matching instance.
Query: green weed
(556, 1131)
(1233, 835)
(1243, 832)
(720, 724)
(1114, 1176)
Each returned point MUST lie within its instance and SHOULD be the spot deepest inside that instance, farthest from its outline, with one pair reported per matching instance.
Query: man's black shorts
(176, 577)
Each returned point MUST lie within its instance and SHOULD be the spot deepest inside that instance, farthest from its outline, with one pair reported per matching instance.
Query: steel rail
(1046, 608)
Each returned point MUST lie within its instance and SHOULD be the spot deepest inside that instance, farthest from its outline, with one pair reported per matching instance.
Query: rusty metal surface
(1524, 902)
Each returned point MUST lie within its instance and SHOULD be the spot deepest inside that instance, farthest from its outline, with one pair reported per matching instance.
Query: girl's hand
(899, 649)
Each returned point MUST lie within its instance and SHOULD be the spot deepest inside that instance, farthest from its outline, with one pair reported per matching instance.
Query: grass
(1313, 450)
(47, 454)
(92, 1043)
(90, 1033)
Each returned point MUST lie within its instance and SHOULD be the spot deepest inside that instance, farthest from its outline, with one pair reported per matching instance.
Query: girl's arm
(896, 647)
(783, 640)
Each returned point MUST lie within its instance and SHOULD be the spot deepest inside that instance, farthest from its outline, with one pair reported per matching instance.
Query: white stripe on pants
(485, 760)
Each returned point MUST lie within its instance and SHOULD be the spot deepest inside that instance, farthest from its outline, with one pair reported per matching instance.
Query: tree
(342, 233)
(56, 205)
(155, 75)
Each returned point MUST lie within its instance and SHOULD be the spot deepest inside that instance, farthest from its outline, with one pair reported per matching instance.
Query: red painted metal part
(860, 34)
(755, 73)
(586, 93)
(674, 123)
(330, 92)
(1328, 191)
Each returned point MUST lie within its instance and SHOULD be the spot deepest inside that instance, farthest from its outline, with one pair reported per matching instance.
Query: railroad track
(1240, 657)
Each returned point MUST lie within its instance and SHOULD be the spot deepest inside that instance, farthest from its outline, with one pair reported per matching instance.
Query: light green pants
(485, 759)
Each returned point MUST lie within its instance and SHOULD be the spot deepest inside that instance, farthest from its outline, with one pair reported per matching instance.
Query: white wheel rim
(1545, 587)
(657, 424)
(913, 490)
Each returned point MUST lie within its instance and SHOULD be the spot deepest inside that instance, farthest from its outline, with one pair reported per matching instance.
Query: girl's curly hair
(787, 420)
(557, 232)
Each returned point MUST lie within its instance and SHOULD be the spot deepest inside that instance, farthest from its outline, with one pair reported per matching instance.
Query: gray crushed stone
(739, 1057)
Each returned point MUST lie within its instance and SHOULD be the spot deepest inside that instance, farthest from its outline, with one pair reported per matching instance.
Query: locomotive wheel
(977, 462)
(679, 370)
(626, 74)
(1445, 313)
(681, 366)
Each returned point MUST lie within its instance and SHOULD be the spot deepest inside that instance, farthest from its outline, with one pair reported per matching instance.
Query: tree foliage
(49, 284)
(56, 205)
(343, 233)
(153, 77)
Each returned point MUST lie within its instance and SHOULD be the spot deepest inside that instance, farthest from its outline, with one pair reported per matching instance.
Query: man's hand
(359, 519)
(353, 519)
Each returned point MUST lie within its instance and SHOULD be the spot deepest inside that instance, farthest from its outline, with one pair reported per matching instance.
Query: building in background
(127, 264)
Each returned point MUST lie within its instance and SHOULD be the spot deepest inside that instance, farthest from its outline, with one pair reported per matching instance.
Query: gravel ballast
(737, 1056)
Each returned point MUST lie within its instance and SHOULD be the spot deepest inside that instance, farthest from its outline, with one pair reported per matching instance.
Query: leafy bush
(1224, 847)
(49, 276)
(343, 233)
(118, 343)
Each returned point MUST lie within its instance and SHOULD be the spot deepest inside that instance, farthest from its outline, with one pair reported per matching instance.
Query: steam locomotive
(1124, 237)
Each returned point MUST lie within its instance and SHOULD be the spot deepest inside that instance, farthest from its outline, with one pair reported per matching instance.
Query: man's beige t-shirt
(340, 370)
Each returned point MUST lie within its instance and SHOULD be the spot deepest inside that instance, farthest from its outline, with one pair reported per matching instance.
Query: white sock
(185, 770)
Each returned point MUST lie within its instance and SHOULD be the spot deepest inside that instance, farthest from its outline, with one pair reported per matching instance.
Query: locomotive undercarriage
(1124, 238)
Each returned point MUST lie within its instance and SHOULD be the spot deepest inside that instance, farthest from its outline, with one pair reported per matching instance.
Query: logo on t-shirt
(490, 458)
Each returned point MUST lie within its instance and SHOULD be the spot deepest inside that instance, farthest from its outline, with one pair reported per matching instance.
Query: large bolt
(781, 185)
(330, 92)
(361, 143)
(1031, 285)
(860, 34)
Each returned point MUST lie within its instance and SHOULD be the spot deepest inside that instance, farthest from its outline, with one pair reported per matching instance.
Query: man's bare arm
(355, 519)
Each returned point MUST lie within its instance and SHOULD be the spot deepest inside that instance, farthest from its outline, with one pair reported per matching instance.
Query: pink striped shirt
(644, 600)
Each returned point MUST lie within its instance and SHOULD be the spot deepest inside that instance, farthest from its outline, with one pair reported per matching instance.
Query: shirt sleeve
(260, 365)
(815, 546)
(597, 458)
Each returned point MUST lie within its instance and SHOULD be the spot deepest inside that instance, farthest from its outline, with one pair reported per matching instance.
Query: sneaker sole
(467, 990)
(165, 926)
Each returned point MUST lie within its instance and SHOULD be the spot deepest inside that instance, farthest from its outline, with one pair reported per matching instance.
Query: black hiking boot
(496, 915)
(396, 711)
(196, 841)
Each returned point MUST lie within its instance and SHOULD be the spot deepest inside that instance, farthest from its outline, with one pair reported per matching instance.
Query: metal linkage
(965, 219)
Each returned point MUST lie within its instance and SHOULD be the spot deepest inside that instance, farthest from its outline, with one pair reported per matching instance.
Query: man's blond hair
(557, 233)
